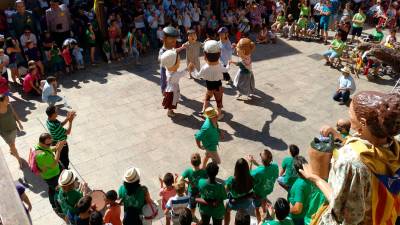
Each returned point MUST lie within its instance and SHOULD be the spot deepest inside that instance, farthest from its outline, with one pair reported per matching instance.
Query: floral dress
(244, 80)
(350, 179)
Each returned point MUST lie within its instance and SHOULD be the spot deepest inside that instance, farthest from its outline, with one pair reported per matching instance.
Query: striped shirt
(57, 131)
(177, 204)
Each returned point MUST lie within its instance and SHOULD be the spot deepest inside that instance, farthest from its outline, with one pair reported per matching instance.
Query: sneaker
(238, 96)
(342, 103)
(171, 113)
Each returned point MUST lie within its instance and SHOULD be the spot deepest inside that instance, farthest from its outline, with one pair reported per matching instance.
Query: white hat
(346, 69)
(168, 58)
(66, 178)
(132, 175)
(211, 46)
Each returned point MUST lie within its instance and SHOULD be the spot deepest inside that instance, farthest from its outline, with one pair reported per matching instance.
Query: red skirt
(168, 100)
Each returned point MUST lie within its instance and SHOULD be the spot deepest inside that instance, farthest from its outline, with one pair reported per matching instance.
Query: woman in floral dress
(363, 185)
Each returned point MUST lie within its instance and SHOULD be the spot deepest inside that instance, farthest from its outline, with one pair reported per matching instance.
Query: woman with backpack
(363, 185)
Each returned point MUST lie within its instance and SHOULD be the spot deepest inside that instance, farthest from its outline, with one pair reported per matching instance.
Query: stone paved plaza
(121, 123)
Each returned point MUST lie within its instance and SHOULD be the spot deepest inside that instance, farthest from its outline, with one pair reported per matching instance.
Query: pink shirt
(27, 80)
(67, 56)
(3, 85)
(166, 194)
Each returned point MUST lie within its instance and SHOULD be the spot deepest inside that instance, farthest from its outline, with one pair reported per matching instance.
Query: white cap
(168, 58)
(211, 46)
(66, 178)
(132, 175)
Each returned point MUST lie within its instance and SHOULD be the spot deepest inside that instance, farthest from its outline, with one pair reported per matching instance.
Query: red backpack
(32, 162)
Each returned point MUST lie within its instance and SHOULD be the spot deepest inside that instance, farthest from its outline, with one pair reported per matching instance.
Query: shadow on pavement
(33, 182)
(263, 100)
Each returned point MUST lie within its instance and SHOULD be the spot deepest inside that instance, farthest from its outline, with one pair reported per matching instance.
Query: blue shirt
(347, 82)
(226, 52)
(325, 18)
(334, 6)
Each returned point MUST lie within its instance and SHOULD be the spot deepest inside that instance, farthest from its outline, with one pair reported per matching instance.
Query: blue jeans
(53, 99)
(343, 96)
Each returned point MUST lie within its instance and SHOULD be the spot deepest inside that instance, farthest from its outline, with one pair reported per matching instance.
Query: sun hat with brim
(132, 175)
(168, 58)
(346, 69)
(211, 46)
(67, 177)
(210, 113)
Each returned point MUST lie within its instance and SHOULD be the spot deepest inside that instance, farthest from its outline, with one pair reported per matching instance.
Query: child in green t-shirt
(300, 193)
(56, 60)
(281, 211)
(287, 175)
(301, 26)
(192, 177)
(279, 22)
(264, 177)
(212, 196)
(377, 35)
(358, 23)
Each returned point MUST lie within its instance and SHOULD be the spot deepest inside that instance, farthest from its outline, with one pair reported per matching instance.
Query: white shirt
(153, 22)
(196, 14)
(173, 80)
(317, 9)
(4, 60)
(211, 72)
(347, 82)
(24, 38)
(47, 91)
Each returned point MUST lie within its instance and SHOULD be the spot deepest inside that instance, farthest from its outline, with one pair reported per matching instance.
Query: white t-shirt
(4, 60)
(211, 72)
(47, 91)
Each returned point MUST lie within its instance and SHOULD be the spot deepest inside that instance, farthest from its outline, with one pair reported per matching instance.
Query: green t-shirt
(300, 192)
(304, 10)
(229, 186)
(45, 161)
(208, 135)
(360, 17)
(302, 23)
(281, 19)
(88, 37)
(338, 46)
(68, 200)
(286, 221)
(264, 179)
(136, 200)
(316, 200)
(194, 176)
(55, 57)
(212, 192)
(290, 174)
(378, 36)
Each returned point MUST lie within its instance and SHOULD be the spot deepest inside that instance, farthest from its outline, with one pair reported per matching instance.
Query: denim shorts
(257, 202)
(331, 54)
(192, 199)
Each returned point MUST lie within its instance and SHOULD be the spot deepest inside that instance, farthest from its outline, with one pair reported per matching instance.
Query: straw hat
(67, 177)
(168, 58)
(132, 175)
(346, 69)
(210, 112)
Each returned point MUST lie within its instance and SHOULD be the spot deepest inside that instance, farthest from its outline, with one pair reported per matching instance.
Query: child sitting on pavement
(335, 49)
